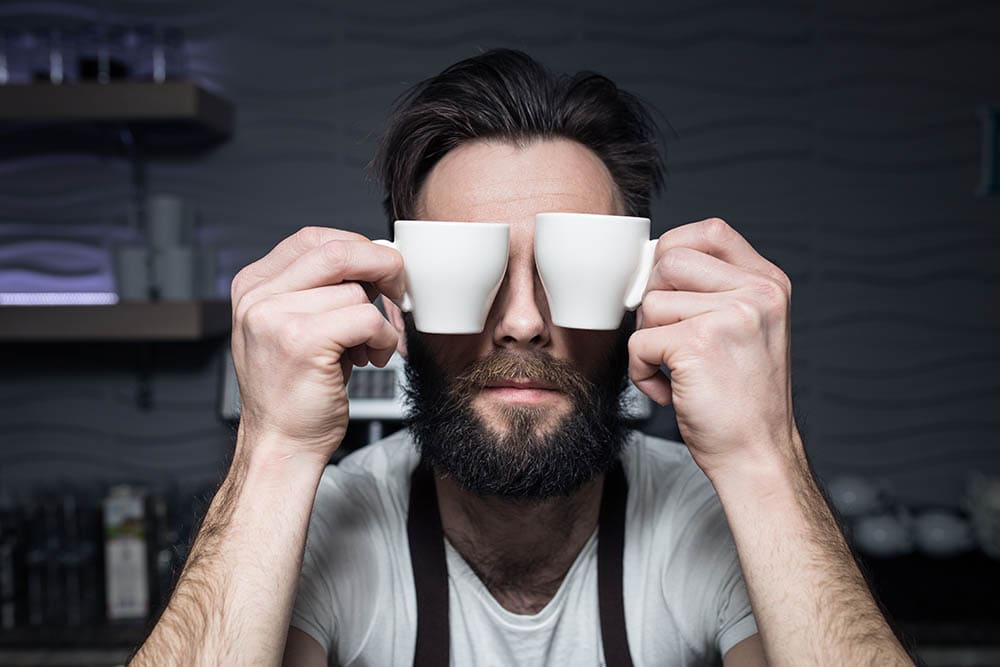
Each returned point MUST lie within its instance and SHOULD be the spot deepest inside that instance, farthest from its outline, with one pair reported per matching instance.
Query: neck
(520, 549)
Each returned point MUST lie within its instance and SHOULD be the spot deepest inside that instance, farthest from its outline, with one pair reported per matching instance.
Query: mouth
(523, 391)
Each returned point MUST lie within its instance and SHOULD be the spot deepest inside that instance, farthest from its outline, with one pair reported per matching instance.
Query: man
(538, 530)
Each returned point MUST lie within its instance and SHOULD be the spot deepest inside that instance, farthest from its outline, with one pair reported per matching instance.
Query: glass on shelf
(102, 56)
(168, 60)
(4, 57)
(61, 53)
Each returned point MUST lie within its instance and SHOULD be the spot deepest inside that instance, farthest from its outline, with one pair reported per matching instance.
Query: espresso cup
(452, 272)
(593, 267)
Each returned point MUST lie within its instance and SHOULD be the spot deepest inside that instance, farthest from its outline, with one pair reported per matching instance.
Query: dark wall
(841, 138)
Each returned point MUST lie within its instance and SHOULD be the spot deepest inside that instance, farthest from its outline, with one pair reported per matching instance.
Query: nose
(520, 309)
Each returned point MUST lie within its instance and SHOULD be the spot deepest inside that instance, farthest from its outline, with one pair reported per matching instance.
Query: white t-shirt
(685, 599)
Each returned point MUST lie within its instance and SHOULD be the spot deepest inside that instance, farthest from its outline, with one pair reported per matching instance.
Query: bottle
(126, 554)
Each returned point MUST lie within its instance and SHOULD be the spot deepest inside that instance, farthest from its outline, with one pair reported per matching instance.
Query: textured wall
(841, 138)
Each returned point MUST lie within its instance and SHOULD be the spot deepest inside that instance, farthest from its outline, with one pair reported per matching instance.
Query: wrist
(271, 455)
(778, 468)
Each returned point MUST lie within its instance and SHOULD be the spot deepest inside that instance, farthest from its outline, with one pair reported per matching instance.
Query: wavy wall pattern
(841, 138)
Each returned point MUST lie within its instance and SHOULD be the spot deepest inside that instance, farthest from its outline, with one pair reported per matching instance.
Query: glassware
(168, 59)
(4, 58)
(57, 70)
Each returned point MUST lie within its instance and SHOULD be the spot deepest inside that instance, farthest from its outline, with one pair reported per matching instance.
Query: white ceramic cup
(132, 272)
(171, 223)
(593, 267)
(452, 272)
(174, 273)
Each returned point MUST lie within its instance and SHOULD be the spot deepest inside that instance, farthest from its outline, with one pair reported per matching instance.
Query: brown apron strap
(610, 556)
(430, 570)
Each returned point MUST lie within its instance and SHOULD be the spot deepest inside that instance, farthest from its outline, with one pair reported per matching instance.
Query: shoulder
(361, 503)
(677, 535)
(353, 576)
(370, 476)
(664, 470)
(671, 498)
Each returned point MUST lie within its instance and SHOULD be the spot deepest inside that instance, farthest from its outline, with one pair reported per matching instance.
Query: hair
(508, 96)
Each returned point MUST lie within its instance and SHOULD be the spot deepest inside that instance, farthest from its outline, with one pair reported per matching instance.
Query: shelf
(154, 321)
(170, 118)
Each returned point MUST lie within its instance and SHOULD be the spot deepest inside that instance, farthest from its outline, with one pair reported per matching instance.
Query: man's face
(523, 383)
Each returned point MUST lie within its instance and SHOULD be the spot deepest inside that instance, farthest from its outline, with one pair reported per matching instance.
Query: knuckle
(772, 295)
(670, 260)
(653, 304)
(257, 316)
(396, 263)
(337, 253)
(355, 292)
(715, 229)
(242, 307)
(370, 317)
(310, 236)
(237, 285)
(746, 316)
(634, 343)
(784, 281)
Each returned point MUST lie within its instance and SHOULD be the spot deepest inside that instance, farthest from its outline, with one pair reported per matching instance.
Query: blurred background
(150, 149)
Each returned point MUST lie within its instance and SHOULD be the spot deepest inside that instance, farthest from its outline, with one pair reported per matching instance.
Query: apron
(430, 569)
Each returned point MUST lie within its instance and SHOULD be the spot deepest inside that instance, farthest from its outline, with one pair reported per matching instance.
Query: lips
(522, 391)
(521, 383)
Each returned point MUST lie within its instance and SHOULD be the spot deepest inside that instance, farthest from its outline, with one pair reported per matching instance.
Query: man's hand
(301, 318)
(716, 314)
(302, 315)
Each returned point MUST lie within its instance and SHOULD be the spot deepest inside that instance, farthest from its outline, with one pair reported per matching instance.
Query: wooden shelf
(153, 321)
(170, 118)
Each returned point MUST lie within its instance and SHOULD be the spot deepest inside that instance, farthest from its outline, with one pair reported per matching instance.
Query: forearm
(810, 600)
(233, 600)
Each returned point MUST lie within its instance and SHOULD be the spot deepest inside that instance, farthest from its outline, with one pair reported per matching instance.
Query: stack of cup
(171, 266)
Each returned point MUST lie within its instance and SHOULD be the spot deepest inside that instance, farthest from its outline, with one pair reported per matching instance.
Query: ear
(395, 317)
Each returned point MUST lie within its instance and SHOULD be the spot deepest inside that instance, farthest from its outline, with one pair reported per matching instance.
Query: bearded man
(517, 520)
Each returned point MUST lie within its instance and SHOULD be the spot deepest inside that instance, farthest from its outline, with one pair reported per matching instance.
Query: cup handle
(404, 304)
(638, 287)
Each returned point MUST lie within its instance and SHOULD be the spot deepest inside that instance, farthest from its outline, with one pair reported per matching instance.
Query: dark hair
(507, 95)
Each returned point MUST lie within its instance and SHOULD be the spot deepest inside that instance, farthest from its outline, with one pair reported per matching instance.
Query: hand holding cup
(302, 316)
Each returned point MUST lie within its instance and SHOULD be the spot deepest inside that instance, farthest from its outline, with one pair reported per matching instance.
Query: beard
(525, 461)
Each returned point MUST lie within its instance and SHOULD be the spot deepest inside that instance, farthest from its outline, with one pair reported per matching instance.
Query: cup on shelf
(173, 274)
(942, 533)
(883, 535)
(171, 223)
(132, 272)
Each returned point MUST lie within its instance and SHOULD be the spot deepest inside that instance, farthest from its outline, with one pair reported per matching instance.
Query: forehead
(506, 182)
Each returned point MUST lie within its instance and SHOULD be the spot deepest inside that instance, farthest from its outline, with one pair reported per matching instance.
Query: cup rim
(590, 216)
(486, 223)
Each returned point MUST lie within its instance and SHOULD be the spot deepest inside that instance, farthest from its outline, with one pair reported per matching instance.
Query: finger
(338, 261)
(357, 356)
(649, 352)
(657, 387)
(354, 326)
(319, 299)
(287, 250)
(715, 237)
(379, 358)
(691, 270)
(662, 307)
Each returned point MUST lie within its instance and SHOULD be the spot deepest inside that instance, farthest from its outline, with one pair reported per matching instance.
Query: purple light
(58, 298)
